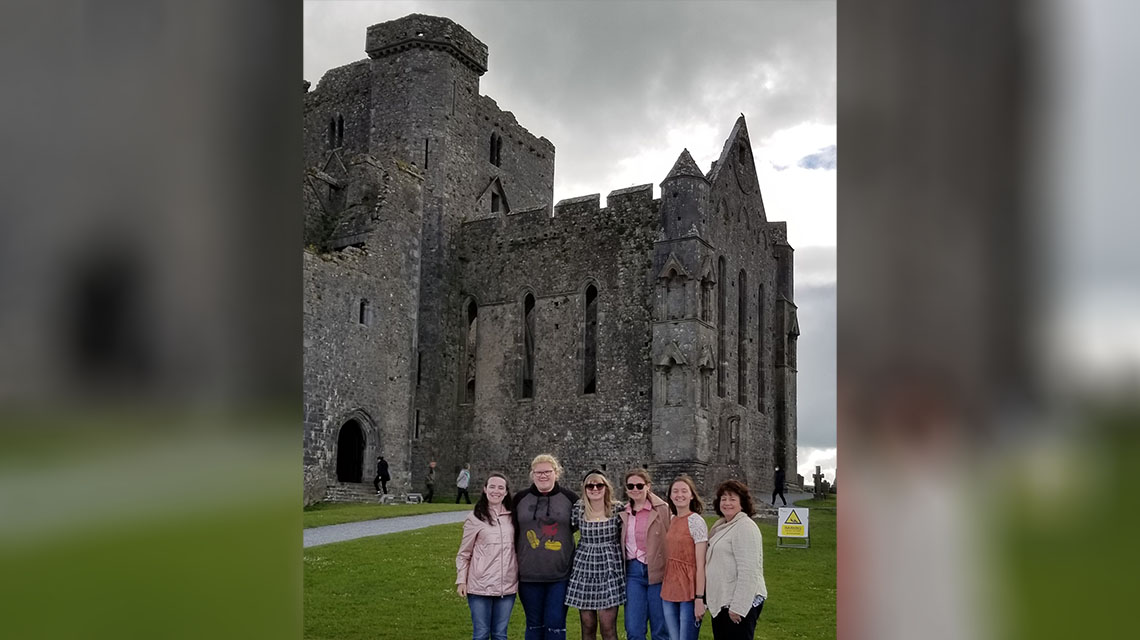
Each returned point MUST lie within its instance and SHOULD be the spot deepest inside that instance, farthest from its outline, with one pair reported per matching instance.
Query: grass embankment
(326, 513)
(401, 585)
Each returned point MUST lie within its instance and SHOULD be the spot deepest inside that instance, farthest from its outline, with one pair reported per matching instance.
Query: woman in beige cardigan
(734, 565)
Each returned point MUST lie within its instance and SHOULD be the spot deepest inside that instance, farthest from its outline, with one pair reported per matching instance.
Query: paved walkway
(352, 530)
(792, 497)
(317, 536)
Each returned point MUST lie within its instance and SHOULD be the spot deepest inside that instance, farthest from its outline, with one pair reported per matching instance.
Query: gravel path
(353, 530)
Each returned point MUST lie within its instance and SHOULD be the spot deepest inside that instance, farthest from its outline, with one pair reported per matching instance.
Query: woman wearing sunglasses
(597, 582)
(645, 522)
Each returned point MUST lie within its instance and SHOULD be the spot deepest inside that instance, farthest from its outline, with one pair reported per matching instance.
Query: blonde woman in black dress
(597, 582)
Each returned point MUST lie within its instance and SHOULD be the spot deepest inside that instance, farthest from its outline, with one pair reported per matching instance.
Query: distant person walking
(778, 486)
(429, 482)
(382, 476)
(461, 483)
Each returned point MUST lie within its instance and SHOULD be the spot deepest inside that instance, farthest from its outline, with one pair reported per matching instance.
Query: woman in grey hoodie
(545, 546)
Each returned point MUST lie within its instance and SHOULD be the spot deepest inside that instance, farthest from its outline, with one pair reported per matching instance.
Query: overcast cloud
(621, 88)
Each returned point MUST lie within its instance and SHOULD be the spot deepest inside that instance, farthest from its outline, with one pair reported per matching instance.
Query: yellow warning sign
(793, 522)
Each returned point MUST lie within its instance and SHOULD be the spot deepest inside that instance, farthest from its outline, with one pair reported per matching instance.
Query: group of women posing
(657, 557)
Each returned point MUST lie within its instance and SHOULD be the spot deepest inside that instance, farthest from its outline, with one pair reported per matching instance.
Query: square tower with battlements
(454, 313)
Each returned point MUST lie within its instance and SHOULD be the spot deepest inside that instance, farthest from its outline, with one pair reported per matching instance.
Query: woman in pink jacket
(486, 570)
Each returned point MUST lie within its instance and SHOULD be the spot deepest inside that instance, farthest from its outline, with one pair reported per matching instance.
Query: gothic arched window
(590, 343)
(742, 339)
(528, 346)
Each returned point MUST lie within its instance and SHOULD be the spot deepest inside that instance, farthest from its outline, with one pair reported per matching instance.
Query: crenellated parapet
(455, 312)
(427, 32)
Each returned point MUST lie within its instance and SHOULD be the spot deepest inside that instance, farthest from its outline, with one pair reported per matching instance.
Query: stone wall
(362, 366)
(408, 201)
(342, 92)
(556, 259)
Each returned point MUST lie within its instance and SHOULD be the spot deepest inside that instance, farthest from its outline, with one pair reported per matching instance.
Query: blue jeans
(643, 604)
(544, 604)
(490, 616)
(679, 620)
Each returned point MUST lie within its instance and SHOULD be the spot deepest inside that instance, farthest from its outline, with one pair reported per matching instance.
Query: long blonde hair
(607, 501)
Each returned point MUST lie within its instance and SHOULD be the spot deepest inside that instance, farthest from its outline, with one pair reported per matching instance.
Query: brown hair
(640, 471)
(483, 506)
(695, 504)
(741, 490)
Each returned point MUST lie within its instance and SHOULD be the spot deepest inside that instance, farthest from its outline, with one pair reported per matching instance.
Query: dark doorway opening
(350, 453)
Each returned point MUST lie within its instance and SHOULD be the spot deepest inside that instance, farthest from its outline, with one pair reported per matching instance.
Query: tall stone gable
(454, 313)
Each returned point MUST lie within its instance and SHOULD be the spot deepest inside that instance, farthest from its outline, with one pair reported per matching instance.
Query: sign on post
(792, 523)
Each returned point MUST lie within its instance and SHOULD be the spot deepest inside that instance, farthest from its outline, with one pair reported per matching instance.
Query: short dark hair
(741, 490)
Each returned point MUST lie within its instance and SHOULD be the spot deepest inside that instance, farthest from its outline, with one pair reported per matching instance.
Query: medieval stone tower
(454, 313)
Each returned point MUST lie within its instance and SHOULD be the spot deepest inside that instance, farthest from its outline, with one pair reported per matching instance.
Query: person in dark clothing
(429, 482)
(544, 542)
(778, 487)
(382, 476)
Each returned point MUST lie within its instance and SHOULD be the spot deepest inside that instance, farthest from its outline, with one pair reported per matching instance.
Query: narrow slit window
(496, 155)
(470, 354)
(590, 349)
(721, 354)
(528, 346)
(339, 130)
(496, 202)
(365, 312)
(761, 329)
(742, 339)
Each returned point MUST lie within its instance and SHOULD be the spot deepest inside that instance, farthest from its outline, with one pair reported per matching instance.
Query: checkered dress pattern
(597, 580)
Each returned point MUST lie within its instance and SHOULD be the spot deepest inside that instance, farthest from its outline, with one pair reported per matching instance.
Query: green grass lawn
(401, 585)
(326, 513)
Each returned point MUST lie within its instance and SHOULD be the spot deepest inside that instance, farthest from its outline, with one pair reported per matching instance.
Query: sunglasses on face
(591, 485)
(542, 473)
(634, 485)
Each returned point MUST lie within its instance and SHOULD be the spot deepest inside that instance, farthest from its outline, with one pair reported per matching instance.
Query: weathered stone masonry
(453, 313)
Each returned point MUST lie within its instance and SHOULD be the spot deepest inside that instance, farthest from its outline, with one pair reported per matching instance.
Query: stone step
(359, 492)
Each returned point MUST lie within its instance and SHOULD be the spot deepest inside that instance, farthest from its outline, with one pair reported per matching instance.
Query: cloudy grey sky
(621, 88)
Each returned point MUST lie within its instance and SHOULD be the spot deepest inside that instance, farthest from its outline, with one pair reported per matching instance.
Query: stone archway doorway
(350, 452)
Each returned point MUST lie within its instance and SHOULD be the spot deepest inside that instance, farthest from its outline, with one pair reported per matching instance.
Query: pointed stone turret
(684, 198)
(685, 166)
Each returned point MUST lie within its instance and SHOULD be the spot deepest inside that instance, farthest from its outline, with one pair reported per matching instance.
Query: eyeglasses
(543, 473)
(635, 485)
(592, 485)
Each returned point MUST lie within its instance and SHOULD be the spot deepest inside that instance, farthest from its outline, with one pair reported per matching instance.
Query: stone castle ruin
(454, 312)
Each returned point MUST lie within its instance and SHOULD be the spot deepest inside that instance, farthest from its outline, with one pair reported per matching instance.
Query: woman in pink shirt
(645, 522)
